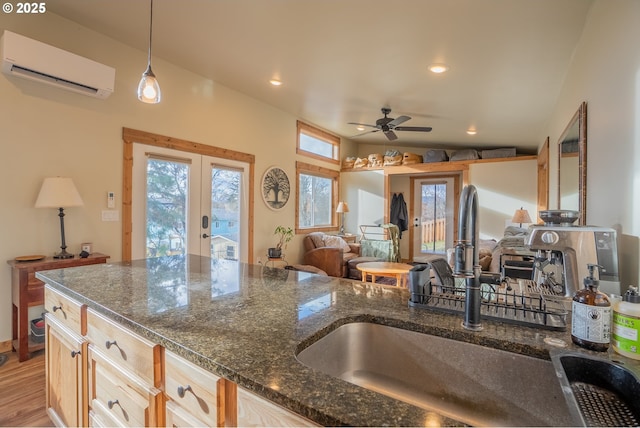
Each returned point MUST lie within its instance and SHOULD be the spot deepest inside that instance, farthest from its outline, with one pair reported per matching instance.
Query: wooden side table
(348, 237)
(28, 291)
(399, 271)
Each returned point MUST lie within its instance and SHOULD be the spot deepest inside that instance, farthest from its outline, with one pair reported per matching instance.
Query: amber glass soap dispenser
(591, 315)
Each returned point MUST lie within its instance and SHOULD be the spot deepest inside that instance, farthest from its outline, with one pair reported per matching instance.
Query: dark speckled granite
(246, 323)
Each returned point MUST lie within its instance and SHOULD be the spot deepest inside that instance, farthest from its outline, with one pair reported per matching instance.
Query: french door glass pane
(315, 201)
(225, 213)
(167, 190)
(434, 218)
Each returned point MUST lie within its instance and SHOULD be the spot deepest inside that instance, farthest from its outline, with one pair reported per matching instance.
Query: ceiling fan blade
(413, 128)
(398, 120)
(361, 124)
(391, 135)
(364, 133)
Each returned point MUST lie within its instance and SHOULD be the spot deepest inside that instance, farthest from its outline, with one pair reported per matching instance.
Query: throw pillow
(337, 242)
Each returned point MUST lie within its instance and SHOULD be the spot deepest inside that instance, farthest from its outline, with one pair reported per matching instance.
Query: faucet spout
(466, 256)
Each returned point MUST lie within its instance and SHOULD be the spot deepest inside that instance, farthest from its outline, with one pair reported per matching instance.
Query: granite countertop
(247, 322)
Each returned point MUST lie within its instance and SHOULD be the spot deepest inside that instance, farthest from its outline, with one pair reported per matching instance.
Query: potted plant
(284, 234)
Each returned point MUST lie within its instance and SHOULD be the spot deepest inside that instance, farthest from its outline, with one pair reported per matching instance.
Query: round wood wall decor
(275, 188)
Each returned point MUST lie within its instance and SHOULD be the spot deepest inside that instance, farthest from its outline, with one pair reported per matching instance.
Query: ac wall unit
(34, 60)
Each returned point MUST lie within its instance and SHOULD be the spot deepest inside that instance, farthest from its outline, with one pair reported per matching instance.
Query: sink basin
(470, 383)
(599, 392)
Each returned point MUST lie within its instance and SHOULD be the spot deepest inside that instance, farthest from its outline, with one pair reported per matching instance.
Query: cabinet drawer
(66, 310)
(125, 348)
(102, 419)
(254, 411)
(179, 417)
(192, 388)
(117, 393)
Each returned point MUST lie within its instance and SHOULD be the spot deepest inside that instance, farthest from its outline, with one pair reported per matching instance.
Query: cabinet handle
(182, 390)
(112, 403)
(75, 353)
(55, 308)
(109, 344)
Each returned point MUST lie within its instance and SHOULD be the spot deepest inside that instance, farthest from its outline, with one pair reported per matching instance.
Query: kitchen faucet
(467, 265)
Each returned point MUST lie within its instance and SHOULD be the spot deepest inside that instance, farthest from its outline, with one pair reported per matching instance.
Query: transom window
(317, 198)
(317, 143)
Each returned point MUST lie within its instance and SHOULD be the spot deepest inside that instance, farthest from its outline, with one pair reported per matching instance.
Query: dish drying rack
(527, 303)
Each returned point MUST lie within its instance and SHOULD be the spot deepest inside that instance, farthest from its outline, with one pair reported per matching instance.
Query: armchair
(329, 253)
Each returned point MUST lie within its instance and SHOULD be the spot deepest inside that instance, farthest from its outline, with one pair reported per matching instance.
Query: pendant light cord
(150, 33)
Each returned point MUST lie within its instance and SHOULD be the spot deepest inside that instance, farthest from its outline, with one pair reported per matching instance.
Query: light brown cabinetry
(116, 393)
(101, 374)
(28, 291)
(66, 362)
(65, 376)
(194, 396)
(254, 411)
(125, 370)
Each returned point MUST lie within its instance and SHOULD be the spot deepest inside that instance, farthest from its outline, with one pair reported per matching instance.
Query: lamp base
(63, 255)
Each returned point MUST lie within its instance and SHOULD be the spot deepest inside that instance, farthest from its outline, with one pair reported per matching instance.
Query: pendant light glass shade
(148, 88)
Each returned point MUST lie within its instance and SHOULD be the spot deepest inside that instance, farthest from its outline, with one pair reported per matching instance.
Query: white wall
(605, 72)
(503, 187)
(47, 132)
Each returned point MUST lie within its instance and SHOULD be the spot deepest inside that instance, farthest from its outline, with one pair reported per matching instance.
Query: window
(316, 198)
(317, 143)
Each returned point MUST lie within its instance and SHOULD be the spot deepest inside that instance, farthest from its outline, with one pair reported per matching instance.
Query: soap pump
(626, 324)
(591, 315)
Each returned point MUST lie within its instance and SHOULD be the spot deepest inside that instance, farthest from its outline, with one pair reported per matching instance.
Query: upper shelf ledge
(437, 166)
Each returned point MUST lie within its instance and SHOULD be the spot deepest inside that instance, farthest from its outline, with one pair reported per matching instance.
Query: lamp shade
(342, 207)
(521, 216)
(58, 192)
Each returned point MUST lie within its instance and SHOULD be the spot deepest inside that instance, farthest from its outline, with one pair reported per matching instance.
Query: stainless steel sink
(599, 392)
(470, 383)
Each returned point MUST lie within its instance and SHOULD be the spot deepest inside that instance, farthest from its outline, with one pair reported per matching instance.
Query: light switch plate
(110, 215)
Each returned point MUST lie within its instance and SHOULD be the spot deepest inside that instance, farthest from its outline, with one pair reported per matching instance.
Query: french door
(434, 207)
(186, 203)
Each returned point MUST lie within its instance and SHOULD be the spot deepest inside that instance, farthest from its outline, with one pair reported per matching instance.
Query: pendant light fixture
(148, 88)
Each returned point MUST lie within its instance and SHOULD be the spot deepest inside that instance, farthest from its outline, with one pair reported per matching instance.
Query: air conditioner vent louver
(34, 60)
(36, 75)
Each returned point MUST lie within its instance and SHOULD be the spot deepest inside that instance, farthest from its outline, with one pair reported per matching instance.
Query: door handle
(204, 235)
(205, 222)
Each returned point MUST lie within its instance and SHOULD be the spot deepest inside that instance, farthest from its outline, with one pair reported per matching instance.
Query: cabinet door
(66, 368)
(254, 411)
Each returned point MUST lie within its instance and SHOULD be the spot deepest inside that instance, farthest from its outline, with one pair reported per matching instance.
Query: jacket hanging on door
(398, 213)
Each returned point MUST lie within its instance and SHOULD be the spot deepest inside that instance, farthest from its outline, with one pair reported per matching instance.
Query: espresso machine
(563, 252)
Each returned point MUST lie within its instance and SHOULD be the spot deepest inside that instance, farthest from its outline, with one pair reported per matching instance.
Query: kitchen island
(246, 323)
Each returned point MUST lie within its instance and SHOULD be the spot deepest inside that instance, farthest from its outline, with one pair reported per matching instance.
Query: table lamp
(521, 216)
(342, 208)
(59, 192)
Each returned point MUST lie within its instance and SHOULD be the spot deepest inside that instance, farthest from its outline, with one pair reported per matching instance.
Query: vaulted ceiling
(340, 61)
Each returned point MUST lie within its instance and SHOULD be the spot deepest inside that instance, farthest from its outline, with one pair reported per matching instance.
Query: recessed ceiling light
(472, 131)
(438, 68)
(275, 82)
(360, 128)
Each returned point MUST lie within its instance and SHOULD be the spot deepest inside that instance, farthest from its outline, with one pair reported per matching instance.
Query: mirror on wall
(572, 165)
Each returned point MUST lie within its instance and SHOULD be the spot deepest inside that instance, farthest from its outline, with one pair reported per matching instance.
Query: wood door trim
(131, 136)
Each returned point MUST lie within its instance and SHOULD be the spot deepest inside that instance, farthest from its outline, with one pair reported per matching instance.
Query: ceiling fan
(388, 125)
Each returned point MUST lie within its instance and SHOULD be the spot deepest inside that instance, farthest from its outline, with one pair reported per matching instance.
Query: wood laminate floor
(22, 392)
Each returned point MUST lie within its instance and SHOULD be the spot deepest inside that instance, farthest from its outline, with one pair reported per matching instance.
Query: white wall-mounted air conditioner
(34, 60)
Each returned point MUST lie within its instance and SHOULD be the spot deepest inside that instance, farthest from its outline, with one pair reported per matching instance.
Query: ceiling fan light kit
(388, 125)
